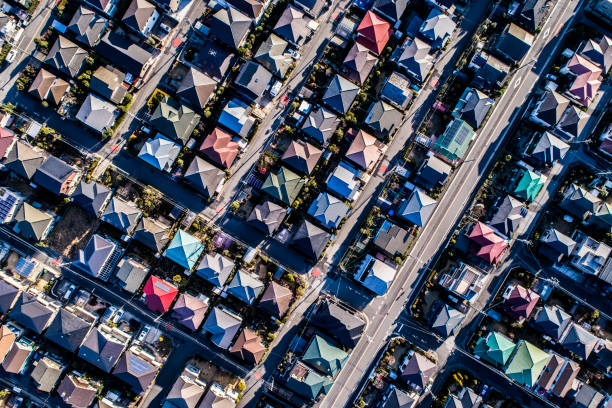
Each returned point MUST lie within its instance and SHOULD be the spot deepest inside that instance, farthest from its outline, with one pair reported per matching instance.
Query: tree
(241, 386)
(177, 279)
(235, 206)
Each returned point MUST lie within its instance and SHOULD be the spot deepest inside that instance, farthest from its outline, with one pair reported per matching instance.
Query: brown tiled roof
(566, 378)
(248, 347)
(7, 338)
(551, 371)
(57, 90)
(219, 147)
(41, 84)
(302, 156)
(364, 150)
(276, 299)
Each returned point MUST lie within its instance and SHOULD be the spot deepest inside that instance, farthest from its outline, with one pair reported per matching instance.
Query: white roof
(375, 275)
(160, 152)
(97, 113)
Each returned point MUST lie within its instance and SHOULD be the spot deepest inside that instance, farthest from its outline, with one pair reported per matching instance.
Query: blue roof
(363, 4)
(229, 121)
(184, 249)
(341, 181)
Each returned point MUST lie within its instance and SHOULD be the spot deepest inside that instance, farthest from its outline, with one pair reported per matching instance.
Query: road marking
(517, 82)
(546, 33)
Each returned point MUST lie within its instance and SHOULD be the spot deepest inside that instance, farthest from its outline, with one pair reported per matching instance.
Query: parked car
(143, 333)
(10, 57)
(118, 316)
(108, 314)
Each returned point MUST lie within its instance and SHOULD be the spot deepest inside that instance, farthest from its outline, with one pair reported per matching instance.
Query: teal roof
(324, 356)
(454, 142)
(307, 382)
(495, 348)
(527, 363)
(530, 185)
(185, 249)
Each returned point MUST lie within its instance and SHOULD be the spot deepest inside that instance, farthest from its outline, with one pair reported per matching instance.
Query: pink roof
(580, 65)
(159, 294)
(6, 140)
(373, 32)
(585, 87)
(490, 246)
(521, 302)
(219, 147)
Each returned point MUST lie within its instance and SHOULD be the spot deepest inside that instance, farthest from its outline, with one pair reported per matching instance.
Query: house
(220, 148)
(161, 153)
(87, 26)
(215, 61)
(531, 15)
(313, 8)
(18, 357)
(489, 72)
(495, 349)
(189, 310)
(9, 290)
(130, 274)
(245, 286)
(514, 43)
(32, 223)
(222, 324)
(549, 149)
(343, 182)
(437, 28)
(108, 7)
(126, 55)
(555, 245)
(267, 217)
(417, 208)
(587, 397)
(487, 243)
(358, 63)
(174, 120)
(230, 27)
(549, 373)
(414, 57)
(236, 116)
(320, 125)
(250, 8)
(509, 216)
(215, 269)
(248, 347)
(418, 372)
(97, 114)
(92, 197)
(375, 275)
(56, 176)
(397, 91)
(306, 382)
(217, 397)
(186, 392)
(284, 185)
(310, 240)
(463, 281)
(184, 250)
(103, 346)
(373, 32)
(196, 88)
(66, 57)
(549, 110)
(383, 119)
(23, 159)
(324, 357)
(454, 142)
(589, 256)
(572, 123)
(252, 81)
(338, 321)
(152, 234)
(433, 173)
(519, 302)
(273, 55)
(447, 320)
(328, 210)
(529, 185)
(565, 380)
(392, 10)
(392, 240)
(108, 82)
(76, 391)
(141, 17)
(603, 217)
(7, 141)
(588, 79)
(10, 202)
(293, 26)
(397, 398)
(276, 299)
(137, 369)
(122, 215)
(302, 156)
(69, 327)
(159, 294)
(526, 363)
(599, 53)
(46, 373)
(578, 341)
(204, 177)
(473, 107)
(579, 202)
(340, 94)
(364, 151)
(465, 398)
(99, 257)
(47, 86)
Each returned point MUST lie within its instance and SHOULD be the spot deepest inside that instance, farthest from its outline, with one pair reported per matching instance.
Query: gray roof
(24, 159)
(52, 174)
(468, 399)
(383, 118)
(293, 25)
(340, 94)
(267, 217)
(215, 60)
(550, 149)
(328, 210)
(91, 196)
(31, 222)
(551, 107)
(184, 393)
(159, 152)
(196, 88)
(437, 27)
(338, 322)
(320, 125)
(152, 233)
(68, 330)
(124, 53)
(66, 56)
(137, 372)
(31, 313)
(8, 294)
(138, 14)
(230, 26)
(414, 57)
(419, 370)
(447, 321)
(101, 350)
(552, 321)
(392, 239)
(271, 54)
(418, 208)
(359, 63)
(130, 274)
(251, 8)
(97, 113)
(276, 299)
(253, 79)
(203, 176)
(121, 215)
(75, 392)
(398, 399)
(108, 82)
(555, 244)
(573, 121)
(215, 269)
(392, 9)
(223, 325)
(476, 108)
(174, 120)
(310, 240)
(514, 42)
(588, 397)
(578, 201)
(46, 374)
(508, 216)
(433, 173)
(302, 156)
(579, 341)
(245, 286)
(87, 26)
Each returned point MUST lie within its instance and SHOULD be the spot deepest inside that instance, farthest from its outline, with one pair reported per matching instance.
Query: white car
(110, 311)
(10, 57)
(143, 333)
(118, 316)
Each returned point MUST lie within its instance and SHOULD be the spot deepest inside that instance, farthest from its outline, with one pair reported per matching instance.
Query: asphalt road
(452, 204)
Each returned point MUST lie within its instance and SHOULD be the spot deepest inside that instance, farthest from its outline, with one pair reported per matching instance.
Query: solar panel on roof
(461, 135)
(162, 286)
(24, 267)
(138, 366)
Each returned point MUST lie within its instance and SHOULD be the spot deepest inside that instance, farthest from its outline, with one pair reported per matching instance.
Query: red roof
(373, 32)
(218, 147)
(159, 294)
(489, 245)
(6, 140)
(521, 302)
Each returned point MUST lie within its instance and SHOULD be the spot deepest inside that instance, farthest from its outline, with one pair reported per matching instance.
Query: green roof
(285, 185)
(307, 382)
(185, 249)
(324, 356)
(454, 142)
(495, 348)
(527, 363)
(530, 185)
